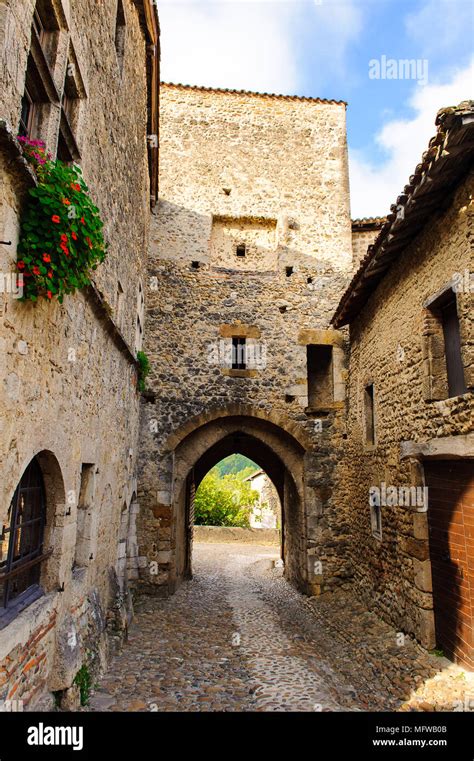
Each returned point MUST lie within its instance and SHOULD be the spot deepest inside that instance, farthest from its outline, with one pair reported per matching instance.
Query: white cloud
(375, 188)
(441, 24)
(238, 45)
(254, 44)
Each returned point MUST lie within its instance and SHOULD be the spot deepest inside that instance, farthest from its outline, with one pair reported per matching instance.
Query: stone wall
(235, 534)
(268, 173)
(68, 393)
(364, 232)
(389, 349)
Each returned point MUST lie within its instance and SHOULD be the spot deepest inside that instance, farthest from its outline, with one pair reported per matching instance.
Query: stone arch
(55, 501)
(166, 540)
(212, 414)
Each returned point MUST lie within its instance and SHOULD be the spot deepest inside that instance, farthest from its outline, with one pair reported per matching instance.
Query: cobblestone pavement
(238, 637)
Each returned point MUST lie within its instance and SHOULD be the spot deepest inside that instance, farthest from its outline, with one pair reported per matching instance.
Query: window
(84, 508)
(67, 146)
(320, 375)
(27, 111)
(376, 520)
(238, 353)
(140, 318)
(34, 96)
(369, 414)
(441, 343)
(44, 30)
(120, 34)
(452, 347)
(21, 541)
(240, 250)
(119, 301)
(289, 271)
(39, 83)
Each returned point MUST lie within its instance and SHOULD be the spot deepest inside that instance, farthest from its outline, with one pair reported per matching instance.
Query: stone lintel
(321, 337)
(446, 447)
(239, 330)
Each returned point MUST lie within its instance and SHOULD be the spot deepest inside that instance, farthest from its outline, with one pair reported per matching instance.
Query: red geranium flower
(36, 270)
(64, 238)
(66, 202)
(55, 219)
(46, 258)
(83, 220)
(21, 264)
(89, 242)
(50, 273)
(75, 186)
(74, 235)
(49, 295)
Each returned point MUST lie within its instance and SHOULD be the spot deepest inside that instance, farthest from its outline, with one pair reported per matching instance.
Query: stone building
(250, 251)
(364, 233)
(266, 512)
(406, 479)
(86, 84)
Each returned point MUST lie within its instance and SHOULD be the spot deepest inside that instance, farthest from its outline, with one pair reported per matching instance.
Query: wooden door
(451, 536)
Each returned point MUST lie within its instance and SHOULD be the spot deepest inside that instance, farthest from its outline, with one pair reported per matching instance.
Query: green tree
(235, 463)
(225, 501)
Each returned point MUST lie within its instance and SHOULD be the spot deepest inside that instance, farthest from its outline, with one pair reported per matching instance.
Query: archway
(274, 450)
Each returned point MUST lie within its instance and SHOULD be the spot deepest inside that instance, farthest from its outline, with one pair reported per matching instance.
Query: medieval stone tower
(250, 251)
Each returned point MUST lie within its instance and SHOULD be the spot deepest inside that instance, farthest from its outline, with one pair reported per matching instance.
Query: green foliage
(143, 369)
(61, 238)
(84, 680)
(223, 501)
(235, 463)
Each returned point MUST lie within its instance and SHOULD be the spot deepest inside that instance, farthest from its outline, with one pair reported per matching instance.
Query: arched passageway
(166, 530)
(253, 447)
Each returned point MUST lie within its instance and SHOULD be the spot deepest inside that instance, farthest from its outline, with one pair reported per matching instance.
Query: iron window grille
(239, 354)
(23, 537)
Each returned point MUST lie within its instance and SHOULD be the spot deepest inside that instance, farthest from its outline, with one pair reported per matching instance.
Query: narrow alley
(238, 637)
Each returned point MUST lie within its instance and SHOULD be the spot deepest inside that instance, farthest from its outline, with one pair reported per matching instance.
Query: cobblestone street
(238, 637)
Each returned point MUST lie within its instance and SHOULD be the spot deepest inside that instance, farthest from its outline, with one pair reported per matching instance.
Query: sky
(350, 50)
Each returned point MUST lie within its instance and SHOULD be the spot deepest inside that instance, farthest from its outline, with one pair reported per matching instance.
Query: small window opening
(241, 249)
(452, 348)
(120, 33)
(309, 280)
(195, 265)
(376, 520)
(369, 411)
(289, 271)
(238, 353)
(84, 507)
(320, 376)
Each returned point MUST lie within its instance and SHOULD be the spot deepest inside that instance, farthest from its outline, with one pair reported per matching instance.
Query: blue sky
(324, 48)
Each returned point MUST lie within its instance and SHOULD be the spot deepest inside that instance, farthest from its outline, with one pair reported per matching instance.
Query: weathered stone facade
(397, 348)
(68, 393)
(251, 241)
(364, 233)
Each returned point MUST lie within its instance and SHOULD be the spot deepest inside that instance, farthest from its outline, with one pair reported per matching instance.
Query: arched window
(21, 541)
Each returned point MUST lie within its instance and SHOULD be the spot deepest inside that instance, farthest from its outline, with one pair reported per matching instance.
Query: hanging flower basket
(61, 238)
